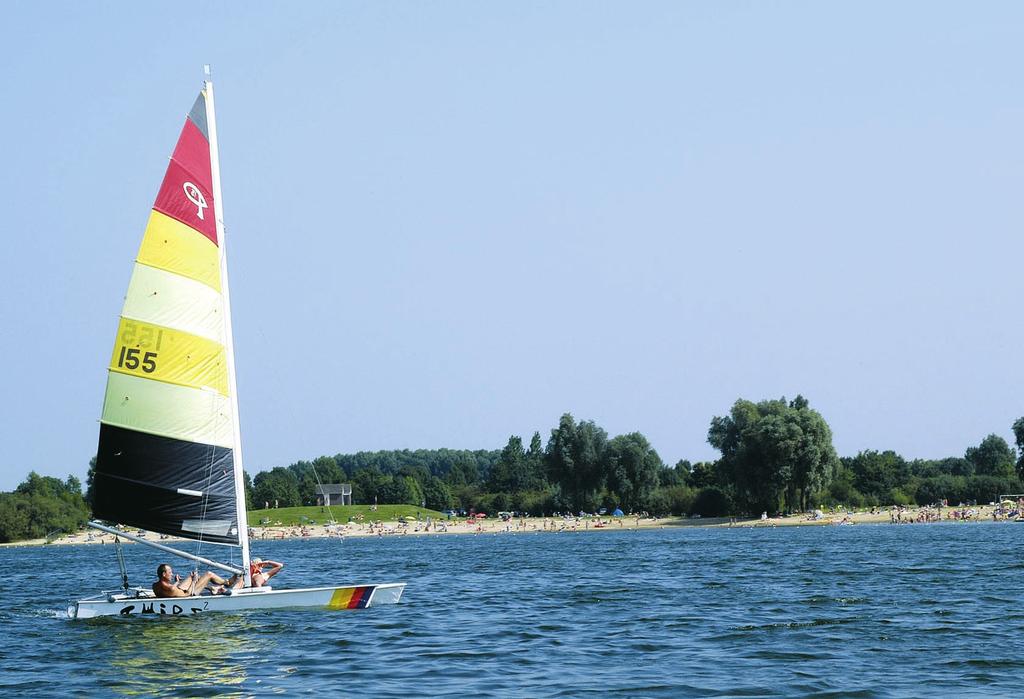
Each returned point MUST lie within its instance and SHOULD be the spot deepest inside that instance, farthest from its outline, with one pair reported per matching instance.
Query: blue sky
(453, 222)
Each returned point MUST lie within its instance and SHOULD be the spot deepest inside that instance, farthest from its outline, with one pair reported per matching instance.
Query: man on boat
(259, 575)
(170, 585)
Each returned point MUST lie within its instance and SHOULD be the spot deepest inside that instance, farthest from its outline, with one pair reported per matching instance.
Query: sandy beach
(568, 525)
(442, 527)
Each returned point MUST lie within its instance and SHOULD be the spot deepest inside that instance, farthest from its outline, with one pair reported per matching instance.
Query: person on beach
(262, 571)
(170, 585)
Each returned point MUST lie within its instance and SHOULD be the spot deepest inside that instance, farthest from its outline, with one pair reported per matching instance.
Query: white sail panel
(171, 300)
(168, 410)
(218, 527)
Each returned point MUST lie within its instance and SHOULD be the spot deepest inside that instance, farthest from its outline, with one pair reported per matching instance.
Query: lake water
(844, 611)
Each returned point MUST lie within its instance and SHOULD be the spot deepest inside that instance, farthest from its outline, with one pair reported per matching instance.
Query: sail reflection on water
(185, 656)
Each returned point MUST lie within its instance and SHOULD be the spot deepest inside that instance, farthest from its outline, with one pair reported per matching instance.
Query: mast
(243, 524)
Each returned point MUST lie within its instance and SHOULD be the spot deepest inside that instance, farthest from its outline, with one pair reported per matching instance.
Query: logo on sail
(196, 197)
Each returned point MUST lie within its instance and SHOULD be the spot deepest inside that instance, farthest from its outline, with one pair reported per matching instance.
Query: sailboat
(170, 453)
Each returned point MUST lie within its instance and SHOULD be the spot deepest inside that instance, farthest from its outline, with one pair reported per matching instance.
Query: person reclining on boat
(170, 585)
(259, 576)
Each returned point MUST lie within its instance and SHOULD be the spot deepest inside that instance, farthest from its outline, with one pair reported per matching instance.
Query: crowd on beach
(898, 514)
(1005, 511)
(562, 522)
(459, 525)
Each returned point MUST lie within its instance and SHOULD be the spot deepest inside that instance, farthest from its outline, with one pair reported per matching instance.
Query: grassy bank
(298, 516)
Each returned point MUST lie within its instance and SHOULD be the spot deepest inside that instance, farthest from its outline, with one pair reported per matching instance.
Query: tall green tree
(279, 485)
(750, 462)
(463, 472)
(876, 474)
(90, 477)
(815, 459)
(511, 473)
(702, 474)
(632, 468)
(437, 494)
(401, 490)
(535, 463)
(366, 485)
(1018, 435)
(842, 491)
(773, 452)
(677, 475)
(993, 457)
(574, 460)
(247, 484)
(558, 457)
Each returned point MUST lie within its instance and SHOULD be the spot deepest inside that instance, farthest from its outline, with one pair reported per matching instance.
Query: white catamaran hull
(143, 603)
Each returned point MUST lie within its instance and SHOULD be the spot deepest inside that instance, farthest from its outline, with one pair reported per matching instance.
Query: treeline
(579, 468)
(981, 475)
(426, 477)
(776, 456)
(40, 507)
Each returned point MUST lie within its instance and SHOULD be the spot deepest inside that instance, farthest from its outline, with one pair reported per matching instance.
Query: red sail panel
(187, 190)
(193, 154)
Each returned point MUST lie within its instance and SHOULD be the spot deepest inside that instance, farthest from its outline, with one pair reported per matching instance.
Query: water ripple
(670, 613)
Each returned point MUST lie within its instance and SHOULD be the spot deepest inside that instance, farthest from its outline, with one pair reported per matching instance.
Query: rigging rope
(206, 500)
(327, 498)
(120, 562)
(211, 453)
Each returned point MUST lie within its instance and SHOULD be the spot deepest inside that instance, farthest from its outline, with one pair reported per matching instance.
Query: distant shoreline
(551, 525)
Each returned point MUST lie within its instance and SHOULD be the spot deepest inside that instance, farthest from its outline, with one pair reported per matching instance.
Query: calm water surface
(840, 611)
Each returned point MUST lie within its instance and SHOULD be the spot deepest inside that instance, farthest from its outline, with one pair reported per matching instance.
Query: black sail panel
(165, 485)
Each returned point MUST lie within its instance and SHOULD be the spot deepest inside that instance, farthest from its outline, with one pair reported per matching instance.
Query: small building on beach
(334, 494)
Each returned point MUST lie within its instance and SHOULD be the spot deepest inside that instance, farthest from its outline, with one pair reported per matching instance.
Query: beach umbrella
(618, 513)
(481, 515)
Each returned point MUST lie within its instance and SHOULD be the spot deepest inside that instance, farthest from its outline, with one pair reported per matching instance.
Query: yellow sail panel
(167, 410)
(171, 245)
(164, 354)
(173, 301)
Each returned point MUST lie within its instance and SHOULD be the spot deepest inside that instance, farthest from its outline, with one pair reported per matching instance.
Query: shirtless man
(170, 585)
(261, 576)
